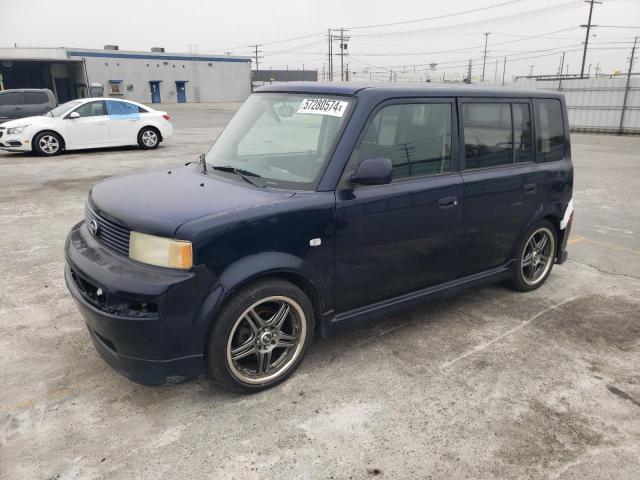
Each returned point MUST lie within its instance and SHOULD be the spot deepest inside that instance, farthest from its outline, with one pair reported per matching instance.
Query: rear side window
(487, 134)
(522, 132)
(35, 98)
(550, 136)
(12, 98)
(415, 137)
(122, 109)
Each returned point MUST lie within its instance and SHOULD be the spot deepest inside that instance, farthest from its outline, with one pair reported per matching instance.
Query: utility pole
(257, 57)
(484, 59)
(347, 73)
(330, 61)
(531, 70)
(561, 70)
(495, 74)
(343, 47)
(597, 68)
(469, 68)
(586, 38)
(626, 88)
(504, 69)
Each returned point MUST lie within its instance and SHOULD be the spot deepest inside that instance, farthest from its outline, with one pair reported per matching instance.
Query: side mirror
(373, 171)
(73, 115)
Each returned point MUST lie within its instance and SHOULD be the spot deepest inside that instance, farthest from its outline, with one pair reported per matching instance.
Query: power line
(517, 16)
(448, 15)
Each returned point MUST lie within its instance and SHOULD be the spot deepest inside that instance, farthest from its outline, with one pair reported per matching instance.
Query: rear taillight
(166, 117)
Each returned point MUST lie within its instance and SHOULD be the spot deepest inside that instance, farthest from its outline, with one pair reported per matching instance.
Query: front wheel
(535, 257)
(260, 337)
(47, 144)
(148, 138)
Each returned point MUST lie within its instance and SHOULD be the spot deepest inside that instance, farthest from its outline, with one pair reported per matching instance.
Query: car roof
(25, 90)
(94, 99)
(405, 90)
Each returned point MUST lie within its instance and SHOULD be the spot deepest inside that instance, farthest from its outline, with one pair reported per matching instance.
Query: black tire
(48, 144)
(149, 138)
(233, 334)
(528, 275)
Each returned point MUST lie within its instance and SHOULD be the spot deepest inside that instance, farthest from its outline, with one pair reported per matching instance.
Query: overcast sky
(231, 26)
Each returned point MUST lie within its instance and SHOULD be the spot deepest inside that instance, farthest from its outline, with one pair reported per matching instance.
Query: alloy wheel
(266, 340)
(49, 144)
(149, 138)
(537, 256)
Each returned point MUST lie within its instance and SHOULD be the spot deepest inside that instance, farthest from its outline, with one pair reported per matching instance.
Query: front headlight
(16, 130)
(160, 251)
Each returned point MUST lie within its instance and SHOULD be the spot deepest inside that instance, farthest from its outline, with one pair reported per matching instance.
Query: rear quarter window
(550, 134)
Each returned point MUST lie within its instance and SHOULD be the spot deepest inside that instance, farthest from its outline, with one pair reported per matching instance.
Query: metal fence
(597, 104)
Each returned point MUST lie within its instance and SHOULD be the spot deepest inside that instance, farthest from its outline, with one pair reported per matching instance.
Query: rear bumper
(562, 254)
(146, 322)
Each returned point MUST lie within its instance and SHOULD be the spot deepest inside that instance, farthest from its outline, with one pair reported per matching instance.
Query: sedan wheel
(47, 144)
(148, 138)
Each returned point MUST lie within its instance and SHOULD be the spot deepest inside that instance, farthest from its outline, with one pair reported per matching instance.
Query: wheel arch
(250, 270)
(48, 130)
(157, 130)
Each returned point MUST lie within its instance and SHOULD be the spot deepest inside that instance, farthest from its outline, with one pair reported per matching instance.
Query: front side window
(280, 139)
(415, 137)
(487, 134)
(91, 109)
(550, 137)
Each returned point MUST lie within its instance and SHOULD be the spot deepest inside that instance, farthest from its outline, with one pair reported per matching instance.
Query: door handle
(101, 123)
(447, 202)
(530, 188)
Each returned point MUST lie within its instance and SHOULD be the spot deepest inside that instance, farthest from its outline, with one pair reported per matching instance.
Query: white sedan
(87, 123)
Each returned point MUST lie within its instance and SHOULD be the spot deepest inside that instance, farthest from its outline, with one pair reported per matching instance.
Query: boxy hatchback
(319, 206)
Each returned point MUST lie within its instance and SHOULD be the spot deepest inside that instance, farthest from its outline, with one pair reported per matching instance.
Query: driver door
(401, 237)
(90, 129)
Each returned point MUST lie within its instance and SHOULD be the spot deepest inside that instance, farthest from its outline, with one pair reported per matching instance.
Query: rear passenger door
(404, 236)
(124, 122)
(502, 184)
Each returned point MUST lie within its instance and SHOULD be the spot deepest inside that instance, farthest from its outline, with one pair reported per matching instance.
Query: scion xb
(319, 206)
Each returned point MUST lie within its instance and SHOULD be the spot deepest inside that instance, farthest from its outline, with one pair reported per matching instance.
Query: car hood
(158, 202)
(25, 121)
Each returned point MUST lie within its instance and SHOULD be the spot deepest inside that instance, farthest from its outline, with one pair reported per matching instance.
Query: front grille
(112, 235)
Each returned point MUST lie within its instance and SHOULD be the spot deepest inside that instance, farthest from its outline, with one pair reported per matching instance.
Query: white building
(147, 77)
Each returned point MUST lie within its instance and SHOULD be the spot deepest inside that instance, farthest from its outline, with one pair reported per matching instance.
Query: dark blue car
(318, 207)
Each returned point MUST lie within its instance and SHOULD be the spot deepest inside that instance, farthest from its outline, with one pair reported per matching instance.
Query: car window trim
(349, 167)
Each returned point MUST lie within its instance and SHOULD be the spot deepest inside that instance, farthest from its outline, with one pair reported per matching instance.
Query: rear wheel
(148, 138)
(260, 337)
(535, 257)
(47, 144)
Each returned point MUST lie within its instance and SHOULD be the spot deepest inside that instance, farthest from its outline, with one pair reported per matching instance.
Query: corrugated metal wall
(595, 104)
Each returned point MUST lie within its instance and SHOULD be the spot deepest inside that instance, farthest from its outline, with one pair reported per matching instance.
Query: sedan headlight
(16, 130)
(160, 251)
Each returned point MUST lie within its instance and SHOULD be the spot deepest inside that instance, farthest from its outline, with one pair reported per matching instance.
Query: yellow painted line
(612, 246)
(573, 240)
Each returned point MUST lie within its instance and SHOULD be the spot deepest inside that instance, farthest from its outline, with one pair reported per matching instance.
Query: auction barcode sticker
(323, 106)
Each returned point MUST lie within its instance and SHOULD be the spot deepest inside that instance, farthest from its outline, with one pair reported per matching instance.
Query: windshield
(280, 139)
(64, 108)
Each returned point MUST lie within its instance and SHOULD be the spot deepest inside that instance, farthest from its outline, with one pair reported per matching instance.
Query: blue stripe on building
(146, 56)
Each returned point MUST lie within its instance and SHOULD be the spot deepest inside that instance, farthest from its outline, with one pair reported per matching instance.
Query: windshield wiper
(244, 174)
